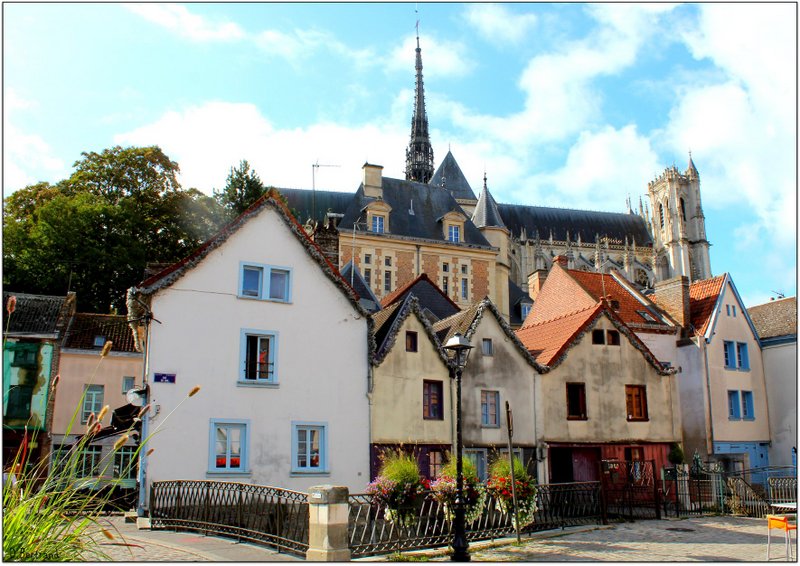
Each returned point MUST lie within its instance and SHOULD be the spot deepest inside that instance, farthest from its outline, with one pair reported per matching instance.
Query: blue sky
(567, 105)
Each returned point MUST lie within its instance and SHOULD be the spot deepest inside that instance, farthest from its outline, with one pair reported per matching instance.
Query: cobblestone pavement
(700, 539)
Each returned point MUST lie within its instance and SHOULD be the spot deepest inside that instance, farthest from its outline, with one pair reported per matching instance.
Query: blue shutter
(733, 405)
(730, 355)
(742, 357)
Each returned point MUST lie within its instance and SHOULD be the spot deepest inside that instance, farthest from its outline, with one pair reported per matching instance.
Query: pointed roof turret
(450, 173)
(419, 155)
(486, 213)
(691, 170)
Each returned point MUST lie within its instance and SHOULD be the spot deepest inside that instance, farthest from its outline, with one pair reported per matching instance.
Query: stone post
(328, 511)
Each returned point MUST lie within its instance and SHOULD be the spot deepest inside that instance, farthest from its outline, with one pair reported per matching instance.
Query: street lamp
(460, 348)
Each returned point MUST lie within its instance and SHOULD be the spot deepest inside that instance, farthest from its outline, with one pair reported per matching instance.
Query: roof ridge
(560, 317)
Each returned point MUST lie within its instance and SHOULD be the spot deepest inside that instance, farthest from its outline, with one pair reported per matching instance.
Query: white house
(277, 342)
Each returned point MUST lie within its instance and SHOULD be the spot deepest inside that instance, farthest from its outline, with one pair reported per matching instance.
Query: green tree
(95, 232)
(242, 188)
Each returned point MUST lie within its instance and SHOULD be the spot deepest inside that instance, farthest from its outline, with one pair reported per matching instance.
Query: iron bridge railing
(559, 505)
(260, 514)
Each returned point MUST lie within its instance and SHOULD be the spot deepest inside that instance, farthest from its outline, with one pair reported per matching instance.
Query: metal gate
(630, 489)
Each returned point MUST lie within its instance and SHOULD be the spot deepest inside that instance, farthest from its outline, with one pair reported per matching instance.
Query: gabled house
(722, 387)
(606, 396)
(278, 343)
(435, 304)
(31, 351)
(499, 371)
(87, 384)
(776, 324)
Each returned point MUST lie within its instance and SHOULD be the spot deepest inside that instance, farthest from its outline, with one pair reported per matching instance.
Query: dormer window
(378, 223)
(99, 341)
(378, 217)
(453, 226)
(454, 233)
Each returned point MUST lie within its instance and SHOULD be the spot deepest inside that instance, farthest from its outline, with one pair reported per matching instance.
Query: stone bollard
(328, 511)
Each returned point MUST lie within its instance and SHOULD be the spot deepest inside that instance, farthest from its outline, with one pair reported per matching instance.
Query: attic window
(612, 338)
(445, 267)
(646, 315)
(614, 304)
(99, 341)
(598, 336)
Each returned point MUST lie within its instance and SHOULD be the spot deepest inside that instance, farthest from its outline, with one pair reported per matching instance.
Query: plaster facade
(780, 371)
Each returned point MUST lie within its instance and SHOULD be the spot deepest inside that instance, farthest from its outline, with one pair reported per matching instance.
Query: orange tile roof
(703, 296)
(547, 340)
(558, 290)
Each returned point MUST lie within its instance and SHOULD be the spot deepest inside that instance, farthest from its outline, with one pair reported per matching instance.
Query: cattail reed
(11, 305)
(107, 534)
(56, 379)
(121, 442)
(106, 349)
(194, 390)
(143, 411)
(149, 452)
(102, 414)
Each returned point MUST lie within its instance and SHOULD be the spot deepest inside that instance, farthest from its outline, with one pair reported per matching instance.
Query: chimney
(373, 184)
(673, 296)
(561, 260)
(535, 282)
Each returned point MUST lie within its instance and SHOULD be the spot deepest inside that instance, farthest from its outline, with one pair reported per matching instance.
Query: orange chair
(783, 523)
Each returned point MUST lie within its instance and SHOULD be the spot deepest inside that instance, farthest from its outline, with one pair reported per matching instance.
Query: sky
(563, 105)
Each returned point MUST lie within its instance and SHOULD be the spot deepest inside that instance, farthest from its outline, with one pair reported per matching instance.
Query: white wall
(780, 373)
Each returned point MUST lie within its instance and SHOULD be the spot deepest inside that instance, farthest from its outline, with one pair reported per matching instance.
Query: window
(487, 347)
(99, 341)
(747, 406)
(612, 337)
(309, 448)
(387, 261)
(464, 269)
(435, 463)
(646, 315)
(128, 383)
(742, 359)
(490, 401)
(598, 336)
(727, 310)
(89, 462)
(465, 288)
(432, 402)
(446, 267)
(92, 401)
(368, 276)
(387, 281)
(377, 223)
(411, 341)
(125, 465)
(576, 401)
(454, 233)
(258, 353)
(229, 446)
(445, 285)
(478, 457)
(614, 304)
(367, 258)
(59, 460)
(683, 210)
(733, 406)
(526, 310)
(25, 355)
(276, 286)
(636, 402)
(733, 309)
(661, 215)
(730, 359)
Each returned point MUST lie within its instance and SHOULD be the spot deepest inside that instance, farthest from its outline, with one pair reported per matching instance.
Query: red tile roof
(558, 290)
(703, 297)
(548, 340)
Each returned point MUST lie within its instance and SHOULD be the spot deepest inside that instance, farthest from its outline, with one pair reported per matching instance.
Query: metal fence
(559, 505)
(261, 514)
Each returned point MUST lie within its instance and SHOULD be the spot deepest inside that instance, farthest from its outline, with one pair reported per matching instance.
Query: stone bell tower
(678, 225)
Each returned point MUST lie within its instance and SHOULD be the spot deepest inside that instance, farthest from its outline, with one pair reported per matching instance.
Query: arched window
(683, 210)
(661, 215)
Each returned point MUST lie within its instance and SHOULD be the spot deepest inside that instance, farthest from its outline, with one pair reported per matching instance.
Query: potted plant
(499, 486)
(398, 487)
(444, 490)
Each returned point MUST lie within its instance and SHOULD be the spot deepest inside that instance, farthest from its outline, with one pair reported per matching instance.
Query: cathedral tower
(678, 225)
(419, 155)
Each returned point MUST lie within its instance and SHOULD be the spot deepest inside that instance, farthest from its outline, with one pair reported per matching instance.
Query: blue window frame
(478, 458)
(742, 358)
(310, 448)
(733, 406)
(490, 405)
(377, 223)
(265, 282)
(730, 354)
(258, 357)
(747, 406)
(229, 441)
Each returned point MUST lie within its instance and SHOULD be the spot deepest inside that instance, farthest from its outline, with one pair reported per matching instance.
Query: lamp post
(460, 348)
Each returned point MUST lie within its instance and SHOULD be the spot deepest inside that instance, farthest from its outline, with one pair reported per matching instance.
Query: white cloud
(179, 19)
(496, 23)
(440, 59)
(207, 140)
(300, 45)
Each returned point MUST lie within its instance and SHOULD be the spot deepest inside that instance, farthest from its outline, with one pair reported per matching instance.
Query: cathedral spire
(419, 155)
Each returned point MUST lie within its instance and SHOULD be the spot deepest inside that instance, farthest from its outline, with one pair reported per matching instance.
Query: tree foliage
(242, 188)
(95, 232)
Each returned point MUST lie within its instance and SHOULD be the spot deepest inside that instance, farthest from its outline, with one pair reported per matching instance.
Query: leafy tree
(95, 232)
(242, 188)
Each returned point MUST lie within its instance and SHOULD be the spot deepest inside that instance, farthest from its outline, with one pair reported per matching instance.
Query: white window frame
(125, 467)
(323, 468)
(89, 461)
(378, 224)
(465, 288)
(128, 383)
(525, 310)
(93, 395)
(454, 233)
(487, 347)
(242, 425)
(264, 291)
(272, 336)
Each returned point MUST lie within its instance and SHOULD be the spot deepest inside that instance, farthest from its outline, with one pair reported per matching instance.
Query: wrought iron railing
(559, 505)
(261, 514)
(782, 489)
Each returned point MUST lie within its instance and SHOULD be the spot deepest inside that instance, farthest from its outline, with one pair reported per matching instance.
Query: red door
(584, 464)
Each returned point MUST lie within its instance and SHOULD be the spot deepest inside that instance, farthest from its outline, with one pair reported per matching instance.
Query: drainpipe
(708, 390)
(418, 271)
(141, 508)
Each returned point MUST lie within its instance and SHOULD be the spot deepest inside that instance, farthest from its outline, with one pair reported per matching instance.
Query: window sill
(751, 419)
(644, 420)
(234, 473)
(433, 418)
(309, 473)
(263, 299)
(258, 384)
(733, 419)
(575, 418)
(483, 425)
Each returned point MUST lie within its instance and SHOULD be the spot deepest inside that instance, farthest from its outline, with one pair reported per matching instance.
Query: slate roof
(430, 297)
(85, 327)
(367, 298)
(387, 324)
(37, 315)
(587, 223)
(454, 179)
(486, 213)
(516, 298)
(703, 297)
(775, 318)
(429, 204)
(301, 201)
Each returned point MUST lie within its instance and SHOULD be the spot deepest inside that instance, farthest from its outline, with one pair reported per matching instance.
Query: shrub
(397, 487)
(499, 486)
(444, 489)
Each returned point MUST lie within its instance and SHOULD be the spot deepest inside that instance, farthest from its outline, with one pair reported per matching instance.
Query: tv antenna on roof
(314, 167)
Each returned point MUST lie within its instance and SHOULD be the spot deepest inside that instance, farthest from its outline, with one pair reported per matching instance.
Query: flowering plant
(397, 488)
(499, 486)
(444, 490)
